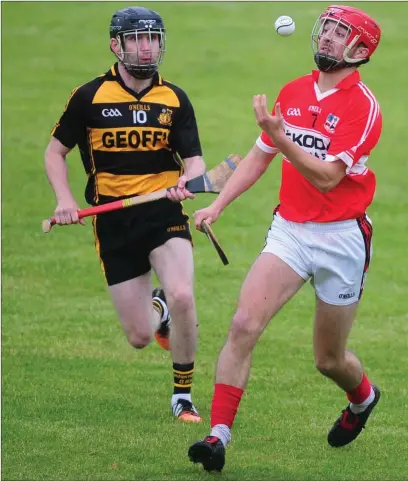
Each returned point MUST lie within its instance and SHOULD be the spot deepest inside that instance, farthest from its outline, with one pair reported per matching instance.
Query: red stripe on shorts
(367, 232)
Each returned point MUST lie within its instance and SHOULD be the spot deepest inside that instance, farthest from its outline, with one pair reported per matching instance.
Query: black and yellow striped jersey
(129, 142)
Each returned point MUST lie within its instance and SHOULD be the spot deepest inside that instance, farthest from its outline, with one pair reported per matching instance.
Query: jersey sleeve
(71, 123)
(264, 142)
(357, 135)
(184, 137)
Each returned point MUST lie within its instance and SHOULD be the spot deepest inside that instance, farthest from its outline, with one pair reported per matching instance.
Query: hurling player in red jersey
(325, 125)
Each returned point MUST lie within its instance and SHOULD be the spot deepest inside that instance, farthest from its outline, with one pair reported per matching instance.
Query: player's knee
(328, 365)
(180, 300)
(243, 328)
(139, 339)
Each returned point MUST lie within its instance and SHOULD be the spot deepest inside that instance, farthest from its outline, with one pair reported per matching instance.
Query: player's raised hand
(181, 193)
(210, 214)
(271, 124)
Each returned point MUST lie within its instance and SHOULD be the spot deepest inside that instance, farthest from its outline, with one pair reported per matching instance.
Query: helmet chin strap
(328, 63)
(139, 74)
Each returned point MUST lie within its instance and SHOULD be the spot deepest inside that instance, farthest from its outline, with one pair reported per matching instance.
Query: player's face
(141, 47)
(332, 38)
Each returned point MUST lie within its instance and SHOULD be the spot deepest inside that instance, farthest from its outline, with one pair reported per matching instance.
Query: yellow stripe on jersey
(114, 185)
(128, 139)
(111, 91)
(93, 167)
(55, 128)
(66, 106)
(161, 95)
(98, 245)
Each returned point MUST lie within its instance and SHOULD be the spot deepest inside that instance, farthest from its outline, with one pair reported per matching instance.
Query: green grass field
(77, 402)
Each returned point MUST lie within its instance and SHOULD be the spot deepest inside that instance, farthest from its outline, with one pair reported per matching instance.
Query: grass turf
(77, 401)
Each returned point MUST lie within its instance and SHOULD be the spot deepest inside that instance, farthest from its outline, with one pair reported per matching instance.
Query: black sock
(183, 377)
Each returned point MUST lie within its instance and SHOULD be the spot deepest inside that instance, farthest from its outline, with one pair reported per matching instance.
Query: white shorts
(335, 255)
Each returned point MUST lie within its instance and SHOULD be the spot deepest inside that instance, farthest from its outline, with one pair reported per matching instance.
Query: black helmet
(136, 21)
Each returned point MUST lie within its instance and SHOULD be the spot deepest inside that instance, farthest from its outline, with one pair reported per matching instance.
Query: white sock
(359, 408)
(222, 432)
(176, 397)
(164, 306)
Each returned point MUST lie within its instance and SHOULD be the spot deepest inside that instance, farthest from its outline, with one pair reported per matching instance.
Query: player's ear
(114, 46)
(361, 51)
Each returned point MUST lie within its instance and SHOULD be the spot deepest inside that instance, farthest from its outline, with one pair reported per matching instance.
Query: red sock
(361, 392)
(225, 404)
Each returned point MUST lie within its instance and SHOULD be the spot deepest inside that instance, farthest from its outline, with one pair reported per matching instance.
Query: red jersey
(343, 123)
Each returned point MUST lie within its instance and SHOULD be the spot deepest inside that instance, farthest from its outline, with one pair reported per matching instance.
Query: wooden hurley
(211, 182)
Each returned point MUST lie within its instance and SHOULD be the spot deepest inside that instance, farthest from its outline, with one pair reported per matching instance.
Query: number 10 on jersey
(139, 116)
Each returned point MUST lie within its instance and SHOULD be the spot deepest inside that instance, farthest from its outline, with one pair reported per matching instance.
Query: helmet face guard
(130, 24)
(347, 27)
(142, 64)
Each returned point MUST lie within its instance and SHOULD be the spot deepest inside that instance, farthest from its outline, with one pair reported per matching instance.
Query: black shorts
(125, 238)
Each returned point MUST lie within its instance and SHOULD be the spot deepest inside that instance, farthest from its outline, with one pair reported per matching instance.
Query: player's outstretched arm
(250, 169)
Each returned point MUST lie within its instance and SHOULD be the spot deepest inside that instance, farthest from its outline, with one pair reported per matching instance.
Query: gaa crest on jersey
(165, 117)
(331, 123)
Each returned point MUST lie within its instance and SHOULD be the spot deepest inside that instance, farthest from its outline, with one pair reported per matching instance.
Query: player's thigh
(132, 300)
(170, 250)
(270, 283)
(174, 265)
(332, 326)
(341, 264)
(286, 240)
(128, 274)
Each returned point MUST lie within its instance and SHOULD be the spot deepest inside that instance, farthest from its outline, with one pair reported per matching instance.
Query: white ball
(284, 26)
